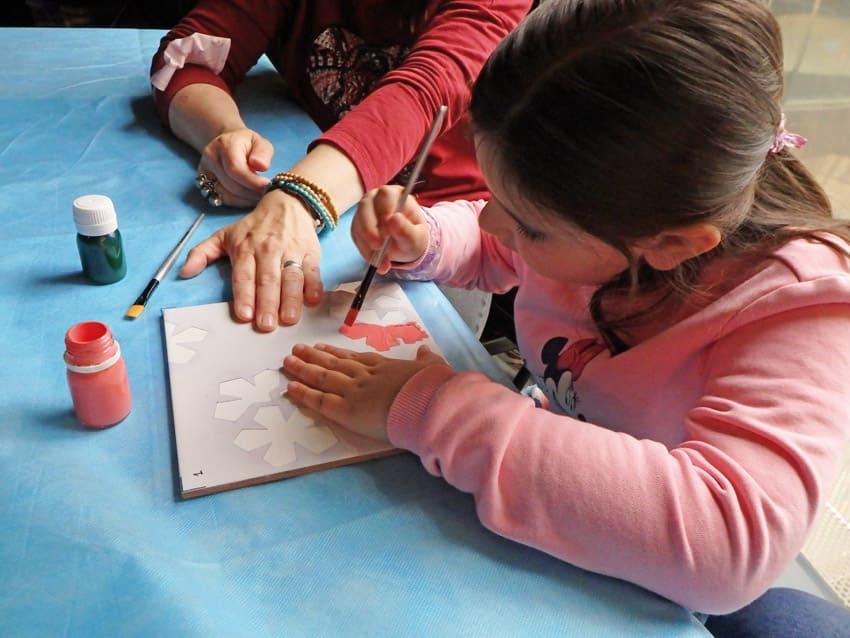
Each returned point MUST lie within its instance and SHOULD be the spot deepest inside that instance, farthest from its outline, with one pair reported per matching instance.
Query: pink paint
(382, 338)
(97, 375)
(351, 317)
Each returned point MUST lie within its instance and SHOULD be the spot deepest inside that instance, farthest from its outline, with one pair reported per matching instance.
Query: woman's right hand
(278, 230)
(234, 158)
(376, 219)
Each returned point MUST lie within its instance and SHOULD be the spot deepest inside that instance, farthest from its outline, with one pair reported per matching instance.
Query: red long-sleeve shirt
(369, 83)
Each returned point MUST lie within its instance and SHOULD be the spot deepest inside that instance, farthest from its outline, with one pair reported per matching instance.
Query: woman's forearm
(200, 112)
(332, 169)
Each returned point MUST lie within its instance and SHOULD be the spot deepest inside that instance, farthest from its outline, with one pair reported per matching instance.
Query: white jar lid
(95, 215)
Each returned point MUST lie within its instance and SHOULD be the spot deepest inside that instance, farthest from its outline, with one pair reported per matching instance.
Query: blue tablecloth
(93, 541)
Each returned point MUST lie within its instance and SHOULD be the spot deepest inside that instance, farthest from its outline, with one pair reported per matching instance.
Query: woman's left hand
(353, 389)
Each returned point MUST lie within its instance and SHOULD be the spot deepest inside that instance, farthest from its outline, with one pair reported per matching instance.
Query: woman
(370, 73)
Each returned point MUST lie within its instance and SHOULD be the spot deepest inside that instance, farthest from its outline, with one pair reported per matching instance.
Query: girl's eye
(531, 235)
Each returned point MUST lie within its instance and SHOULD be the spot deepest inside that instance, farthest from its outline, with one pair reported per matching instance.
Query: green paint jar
(99, 240)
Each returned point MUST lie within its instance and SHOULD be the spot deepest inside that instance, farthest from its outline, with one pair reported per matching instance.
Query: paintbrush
(378, 256)
(139, 305)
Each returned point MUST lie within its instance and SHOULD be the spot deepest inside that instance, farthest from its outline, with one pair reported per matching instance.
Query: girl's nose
(493, 222)
(487, 219)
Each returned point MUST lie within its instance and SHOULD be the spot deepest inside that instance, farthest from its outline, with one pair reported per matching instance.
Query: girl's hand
(234, 158)
(376, 219)
(353, 389)
(278, 230)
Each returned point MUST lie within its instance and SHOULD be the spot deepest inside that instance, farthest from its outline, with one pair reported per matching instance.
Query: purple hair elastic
(786, 138)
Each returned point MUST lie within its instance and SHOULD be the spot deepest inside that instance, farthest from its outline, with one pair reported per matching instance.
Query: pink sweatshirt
(692, 464)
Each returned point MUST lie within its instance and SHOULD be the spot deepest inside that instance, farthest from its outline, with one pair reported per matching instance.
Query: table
(93, 540)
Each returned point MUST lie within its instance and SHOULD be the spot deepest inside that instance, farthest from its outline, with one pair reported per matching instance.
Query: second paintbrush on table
(139, 305)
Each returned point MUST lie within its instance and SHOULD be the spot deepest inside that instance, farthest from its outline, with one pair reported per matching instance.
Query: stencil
(247, 393)
(283, 434)
(233, 427)
(177, 351)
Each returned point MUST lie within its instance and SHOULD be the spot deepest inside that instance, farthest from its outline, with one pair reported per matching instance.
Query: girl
(370, 73)
(683, 303)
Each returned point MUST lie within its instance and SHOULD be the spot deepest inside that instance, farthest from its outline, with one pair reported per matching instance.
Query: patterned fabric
(343, 68)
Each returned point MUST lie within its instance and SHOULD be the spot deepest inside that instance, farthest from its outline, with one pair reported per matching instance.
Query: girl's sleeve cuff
(411, 403)
(424, 267)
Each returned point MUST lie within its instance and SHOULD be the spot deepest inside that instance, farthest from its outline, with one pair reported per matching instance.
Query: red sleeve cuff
(411, 403)
(189, 74)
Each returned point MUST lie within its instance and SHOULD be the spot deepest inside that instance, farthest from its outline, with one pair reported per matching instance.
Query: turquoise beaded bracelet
(311, 201)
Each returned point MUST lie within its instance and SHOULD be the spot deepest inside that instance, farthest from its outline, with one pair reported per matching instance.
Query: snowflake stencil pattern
(247, 394)
(385, 305)
(177, 352)
(281, 434)
(382, 309)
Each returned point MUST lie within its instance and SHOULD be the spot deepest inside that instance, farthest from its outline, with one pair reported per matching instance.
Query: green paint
(102, 257)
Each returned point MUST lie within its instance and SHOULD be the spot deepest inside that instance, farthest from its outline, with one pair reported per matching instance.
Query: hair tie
(786, 138)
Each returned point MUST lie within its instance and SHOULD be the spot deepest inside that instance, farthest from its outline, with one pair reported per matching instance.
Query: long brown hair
(413, 14)
(630, 117)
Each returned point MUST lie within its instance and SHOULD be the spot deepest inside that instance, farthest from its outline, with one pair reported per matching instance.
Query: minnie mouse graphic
(564, 365)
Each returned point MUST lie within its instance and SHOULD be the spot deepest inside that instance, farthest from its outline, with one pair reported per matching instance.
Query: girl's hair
(630, 117)
(413, 14)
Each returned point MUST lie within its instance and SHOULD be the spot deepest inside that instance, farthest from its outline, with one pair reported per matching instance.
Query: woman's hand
(376, 219)
(234, 158)
(278, 230)
(353, 389)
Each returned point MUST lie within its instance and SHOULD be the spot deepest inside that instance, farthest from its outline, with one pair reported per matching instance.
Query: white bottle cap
(95, 215)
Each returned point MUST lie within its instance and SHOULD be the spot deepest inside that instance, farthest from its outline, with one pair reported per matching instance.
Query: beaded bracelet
(313, 204)
(320, 192)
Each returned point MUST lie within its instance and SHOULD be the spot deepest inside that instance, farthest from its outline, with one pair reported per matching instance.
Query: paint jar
(97, 375)
(98, 239)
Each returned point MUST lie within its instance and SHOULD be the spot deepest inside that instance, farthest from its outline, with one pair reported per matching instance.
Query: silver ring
(291, 263)
(206, 185)
(205, 181)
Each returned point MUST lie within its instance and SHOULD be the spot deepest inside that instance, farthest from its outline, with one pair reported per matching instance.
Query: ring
(203, 181)
(291, 263)
(206, 185)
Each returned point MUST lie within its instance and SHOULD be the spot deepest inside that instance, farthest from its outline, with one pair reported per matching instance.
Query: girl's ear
(669, 248)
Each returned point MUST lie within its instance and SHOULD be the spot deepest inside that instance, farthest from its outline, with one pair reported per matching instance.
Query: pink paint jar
(97, 375)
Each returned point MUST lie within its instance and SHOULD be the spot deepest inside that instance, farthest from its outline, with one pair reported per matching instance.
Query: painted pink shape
(382, 338)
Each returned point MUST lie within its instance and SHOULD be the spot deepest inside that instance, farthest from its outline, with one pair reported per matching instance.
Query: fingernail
(289, 314)
(267, 321)
(246, 312)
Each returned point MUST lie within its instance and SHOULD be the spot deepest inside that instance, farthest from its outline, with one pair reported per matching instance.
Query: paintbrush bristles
(351, 317)
(134, 311)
